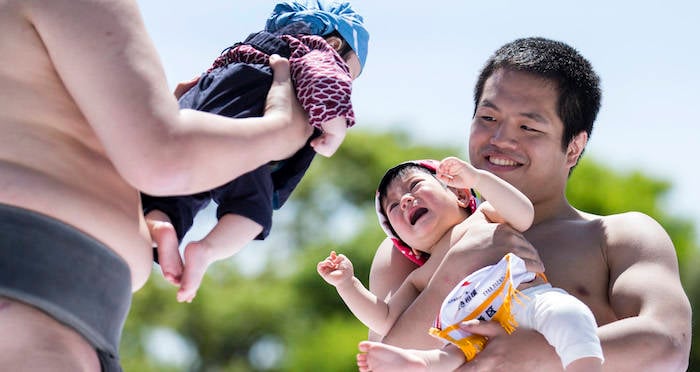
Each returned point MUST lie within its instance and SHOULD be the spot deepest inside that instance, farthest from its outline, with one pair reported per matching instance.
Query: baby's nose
(406, 201)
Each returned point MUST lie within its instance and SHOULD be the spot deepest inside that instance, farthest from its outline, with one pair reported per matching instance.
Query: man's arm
(109, 66)
(483, 244)
(647, 296)
(654, 327)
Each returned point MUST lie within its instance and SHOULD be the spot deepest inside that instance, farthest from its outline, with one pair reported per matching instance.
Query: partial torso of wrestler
(51, 162)
(573, 251)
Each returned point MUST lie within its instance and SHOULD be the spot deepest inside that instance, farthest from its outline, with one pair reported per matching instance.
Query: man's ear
(335, 43)
(575, 148)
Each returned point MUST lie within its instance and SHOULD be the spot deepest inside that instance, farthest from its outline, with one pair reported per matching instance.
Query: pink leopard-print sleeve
(322, 80)
(241, 54)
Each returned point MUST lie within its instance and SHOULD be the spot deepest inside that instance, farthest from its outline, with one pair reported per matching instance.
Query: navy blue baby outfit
(239, 90)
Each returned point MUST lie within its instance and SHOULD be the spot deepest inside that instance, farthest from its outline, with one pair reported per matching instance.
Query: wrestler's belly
(51, 160)
(89, 195)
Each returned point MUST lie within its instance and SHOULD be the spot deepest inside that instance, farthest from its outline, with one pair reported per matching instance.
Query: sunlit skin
(418, 210)
(87, 121)
(516, 134)
(334, 130)
(411, 198)
(605, 261)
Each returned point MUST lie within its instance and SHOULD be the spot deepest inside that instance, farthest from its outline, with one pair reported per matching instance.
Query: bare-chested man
(536, 101)
(87, 120)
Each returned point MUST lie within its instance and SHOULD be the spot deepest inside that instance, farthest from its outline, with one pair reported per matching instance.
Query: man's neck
(555, 210)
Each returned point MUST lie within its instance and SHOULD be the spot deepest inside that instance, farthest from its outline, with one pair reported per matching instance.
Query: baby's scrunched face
(420, 209)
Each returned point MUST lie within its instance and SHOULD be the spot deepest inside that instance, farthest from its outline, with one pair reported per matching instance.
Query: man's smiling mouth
(502, 161)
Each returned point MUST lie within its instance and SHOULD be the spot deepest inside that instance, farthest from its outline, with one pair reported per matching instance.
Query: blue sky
(423, 61)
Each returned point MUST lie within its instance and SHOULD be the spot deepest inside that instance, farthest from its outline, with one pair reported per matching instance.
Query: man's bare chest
(574, 260)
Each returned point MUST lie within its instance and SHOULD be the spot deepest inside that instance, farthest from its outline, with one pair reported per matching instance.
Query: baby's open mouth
(418, 213)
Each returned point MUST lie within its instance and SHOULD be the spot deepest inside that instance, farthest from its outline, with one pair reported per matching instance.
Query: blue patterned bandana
(324, 17)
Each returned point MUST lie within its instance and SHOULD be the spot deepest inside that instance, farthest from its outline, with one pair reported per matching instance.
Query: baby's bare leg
(590, 364)
(198, 257)
(229, 236)
(164, 235)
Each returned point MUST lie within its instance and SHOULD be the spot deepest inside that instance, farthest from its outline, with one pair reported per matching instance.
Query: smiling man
(536, 102)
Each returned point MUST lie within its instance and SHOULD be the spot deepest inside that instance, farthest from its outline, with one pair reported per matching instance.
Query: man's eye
(488, 118)
(392, 206)
(528, 128)
(414, 184)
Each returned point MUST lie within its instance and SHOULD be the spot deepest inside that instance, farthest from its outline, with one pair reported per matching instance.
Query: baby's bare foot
(196, 262)
(378, 357)
(163, 234)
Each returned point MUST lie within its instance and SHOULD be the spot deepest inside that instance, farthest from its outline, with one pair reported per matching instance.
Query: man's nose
(504, 135)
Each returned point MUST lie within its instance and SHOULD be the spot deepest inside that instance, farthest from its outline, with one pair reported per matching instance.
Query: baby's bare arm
(375, 313)
(329, 141)
(509, 204)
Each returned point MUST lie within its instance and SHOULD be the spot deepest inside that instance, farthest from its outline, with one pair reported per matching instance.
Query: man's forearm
(411, 328)
(643, 344)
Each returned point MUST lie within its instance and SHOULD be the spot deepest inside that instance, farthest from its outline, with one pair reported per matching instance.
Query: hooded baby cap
(431, 165)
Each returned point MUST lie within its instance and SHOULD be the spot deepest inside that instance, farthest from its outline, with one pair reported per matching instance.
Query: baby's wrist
(345, 283)
(478, 177)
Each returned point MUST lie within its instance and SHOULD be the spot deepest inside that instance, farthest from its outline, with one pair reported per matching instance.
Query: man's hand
(485, 244)
(184, 86)
(523, 350)
(480, 244)
(282, 105)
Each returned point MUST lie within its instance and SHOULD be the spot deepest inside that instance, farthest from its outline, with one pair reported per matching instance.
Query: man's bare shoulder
(626, 222)
(636, 237)
(625, 229)
(604, 231)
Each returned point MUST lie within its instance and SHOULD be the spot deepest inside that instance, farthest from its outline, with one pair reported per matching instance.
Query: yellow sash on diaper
(486, 294)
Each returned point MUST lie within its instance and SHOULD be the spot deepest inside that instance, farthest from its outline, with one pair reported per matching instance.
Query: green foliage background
(286, 318)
